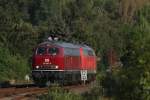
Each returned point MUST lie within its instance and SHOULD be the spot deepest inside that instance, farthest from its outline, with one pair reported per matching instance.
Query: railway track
(31, 92)
(21, 93)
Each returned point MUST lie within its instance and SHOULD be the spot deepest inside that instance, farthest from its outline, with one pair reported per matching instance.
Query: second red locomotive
(63, 62)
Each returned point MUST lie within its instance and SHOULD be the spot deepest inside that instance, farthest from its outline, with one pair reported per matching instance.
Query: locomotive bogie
(60, 77)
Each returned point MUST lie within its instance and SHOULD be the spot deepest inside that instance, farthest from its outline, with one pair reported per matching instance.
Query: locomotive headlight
(56, 67)
(37, 67)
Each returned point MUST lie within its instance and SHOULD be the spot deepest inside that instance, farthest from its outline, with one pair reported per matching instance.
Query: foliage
(57, 93)
(60, 94)
(12, 67)
(132, 82)
(15, 33)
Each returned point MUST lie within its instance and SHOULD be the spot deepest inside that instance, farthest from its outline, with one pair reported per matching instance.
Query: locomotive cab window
(85, 52)
(88, 52)
(53, 51)
(41, 50)
(91, 53)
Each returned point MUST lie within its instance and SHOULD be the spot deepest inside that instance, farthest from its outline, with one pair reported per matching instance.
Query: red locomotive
(62, 62)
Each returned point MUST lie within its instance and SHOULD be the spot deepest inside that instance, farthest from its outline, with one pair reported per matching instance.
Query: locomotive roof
(66, 45)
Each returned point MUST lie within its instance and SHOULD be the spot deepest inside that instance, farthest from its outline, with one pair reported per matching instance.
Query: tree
(133, 81)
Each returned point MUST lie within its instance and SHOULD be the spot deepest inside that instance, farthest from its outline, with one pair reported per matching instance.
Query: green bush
(60, 94)
(12, 66)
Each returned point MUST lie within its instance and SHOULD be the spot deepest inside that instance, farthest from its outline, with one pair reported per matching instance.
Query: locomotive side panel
(72, 59)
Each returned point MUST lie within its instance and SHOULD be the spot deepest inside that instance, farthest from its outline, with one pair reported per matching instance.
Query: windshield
(53, 51)
(41, 50)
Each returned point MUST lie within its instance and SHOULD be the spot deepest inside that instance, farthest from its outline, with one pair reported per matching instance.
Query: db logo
(46, 60)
